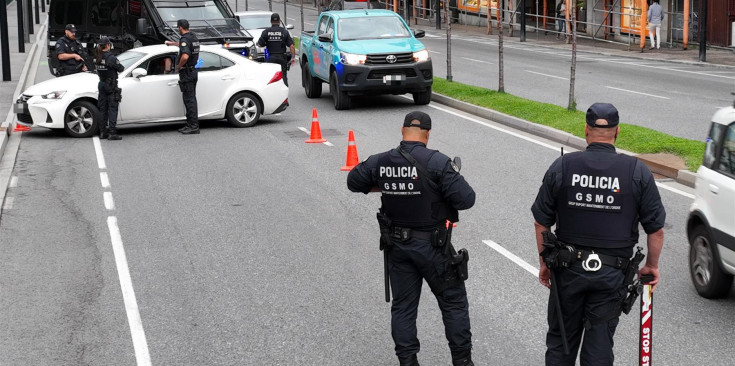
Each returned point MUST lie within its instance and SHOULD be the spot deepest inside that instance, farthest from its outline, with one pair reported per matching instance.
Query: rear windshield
(207, 11)
(255, 21)
(375, 27)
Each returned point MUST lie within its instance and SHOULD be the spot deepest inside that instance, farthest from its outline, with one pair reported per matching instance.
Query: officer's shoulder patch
(183, 44)
(454, 166)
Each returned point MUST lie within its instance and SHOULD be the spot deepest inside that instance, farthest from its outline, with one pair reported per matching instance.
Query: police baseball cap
(71, 28)
(104, 41)
(417, 119)
(183, 23)
(275, 17)
(605, 111)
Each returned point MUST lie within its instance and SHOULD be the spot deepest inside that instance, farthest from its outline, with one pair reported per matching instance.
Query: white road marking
(635, 92)
(98, 150)
(13, 182)
(547, 75)
(308, 23)
(109, 202)
(438, 53)
(472, 59)
(8, 205)
(105, 180)
(142, 356)
(675, 190)
(308, 132)
(531, 269)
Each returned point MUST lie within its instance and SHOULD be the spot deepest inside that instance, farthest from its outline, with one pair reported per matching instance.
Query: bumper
(36, 111)
(282, 107)
(386, 79)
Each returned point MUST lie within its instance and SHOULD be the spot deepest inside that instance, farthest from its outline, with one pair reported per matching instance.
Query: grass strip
(633, 138)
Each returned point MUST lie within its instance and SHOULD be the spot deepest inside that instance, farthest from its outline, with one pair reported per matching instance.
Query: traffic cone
(352, 158)
(21, 128)
(316, 132)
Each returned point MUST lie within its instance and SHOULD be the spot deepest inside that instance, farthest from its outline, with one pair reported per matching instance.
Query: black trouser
(584, 295)
(411, 262)
(280, 58)
(107, 103)
(188, 84)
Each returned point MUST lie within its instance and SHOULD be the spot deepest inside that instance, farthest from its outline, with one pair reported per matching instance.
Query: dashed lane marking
(8, 205)
(474, 60)
(109, 202)
(309, 133)
(531, 269)
(98, 151)
(13, 182)
(635, 92)
(547, 75)
(104, 180)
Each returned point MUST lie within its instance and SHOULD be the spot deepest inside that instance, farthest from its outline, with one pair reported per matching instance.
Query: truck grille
(382, 59)
(378, 74)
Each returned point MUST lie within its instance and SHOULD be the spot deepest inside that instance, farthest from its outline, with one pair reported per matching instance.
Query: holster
(459, 261)
(385, 223)
(440, 236)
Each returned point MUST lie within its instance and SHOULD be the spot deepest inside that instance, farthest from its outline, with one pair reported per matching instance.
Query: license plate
(20, 108)
(389, 79)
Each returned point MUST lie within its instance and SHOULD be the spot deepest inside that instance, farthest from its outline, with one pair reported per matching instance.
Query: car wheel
(243, 110)
(341, 99)
(312, 85)
(81, 119)
(704, 265)
(422, 98)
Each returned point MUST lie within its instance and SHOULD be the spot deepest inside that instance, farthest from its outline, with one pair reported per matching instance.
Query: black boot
(114, 135)
(182, 129)
(103, 132)
(463, 362)
(189, 130)
(409, 361)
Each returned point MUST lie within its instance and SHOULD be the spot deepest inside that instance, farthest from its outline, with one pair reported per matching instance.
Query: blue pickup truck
(364, 52)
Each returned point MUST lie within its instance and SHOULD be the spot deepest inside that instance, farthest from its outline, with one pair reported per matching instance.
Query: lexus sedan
(230, 86)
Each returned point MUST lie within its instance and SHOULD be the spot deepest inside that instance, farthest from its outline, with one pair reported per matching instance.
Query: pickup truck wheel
(704, 265)
(341, 99)
(422, 98)
(81, 119)
(312, 85)
(243, 110)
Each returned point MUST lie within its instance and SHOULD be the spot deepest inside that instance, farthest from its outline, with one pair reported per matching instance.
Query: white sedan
(230, 86)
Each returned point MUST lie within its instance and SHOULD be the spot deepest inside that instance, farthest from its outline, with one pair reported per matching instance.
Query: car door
(721, 186)
(322, 51)
(150, 97)
(216, 78)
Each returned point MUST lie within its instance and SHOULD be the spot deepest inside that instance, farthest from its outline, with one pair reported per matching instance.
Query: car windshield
(207, 11)
(261, 21)
(128, 58)
(351, 29)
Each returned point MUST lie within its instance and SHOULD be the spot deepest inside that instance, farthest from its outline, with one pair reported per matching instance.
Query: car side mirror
(325, 37)
(139, 72)
(419, 33)
(289, 26)
(141, 27)
(458, 163)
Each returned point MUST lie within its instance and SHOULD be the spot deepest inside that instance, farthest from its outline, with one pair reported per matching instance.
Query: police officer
(185, 66)
(69, 53)
(421, 190)
(596, 198)
(276, 39)
(110, 95)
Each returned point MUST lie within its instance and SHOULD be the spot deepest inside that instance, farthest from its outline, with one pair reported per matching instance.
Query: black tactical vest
(274, 37)
(596, 206)
(190, 42)
(408, 197)
(104, 71)
(68, 46)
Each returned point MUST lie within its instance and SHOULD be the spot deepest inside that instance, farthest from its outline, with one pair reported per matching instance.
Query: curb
(684, 177)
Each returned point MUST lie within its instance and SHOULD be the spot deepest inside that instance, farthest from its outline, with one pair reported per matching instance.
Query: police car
(711, 223)
(230, 86)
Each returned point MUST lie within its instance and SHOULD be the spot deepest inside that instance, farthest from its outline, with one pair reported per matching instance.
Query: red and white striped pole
(646, 335)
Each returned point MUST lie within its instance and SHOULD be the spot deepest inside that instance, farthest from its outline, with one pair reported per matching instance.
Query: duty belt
(403, 233)
(592, 261)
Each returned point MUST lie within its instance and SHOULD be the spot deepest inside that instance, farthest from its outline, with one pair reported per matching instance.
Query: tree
(571, 10)
(501, 84)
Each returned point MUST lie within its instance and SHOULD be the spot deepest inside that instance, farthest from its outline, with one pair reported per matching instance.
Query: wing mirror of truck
(325, 37)
(418, 33)
(141, 27)
(139, 72)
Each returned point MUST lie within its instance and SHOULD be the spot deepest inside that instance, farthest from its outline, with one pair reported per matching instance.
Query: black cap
(183, 23)
(71, 28)
(605, 111)
(104, 41)
(417, 119)
(275, 17)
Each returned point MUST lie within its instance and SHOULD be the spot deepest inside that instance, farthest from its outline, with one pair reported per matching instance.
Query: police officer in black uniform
(418, 197)
(108, 100)
(69, 53)
(596, 198)
(185, 65)
(277, 39)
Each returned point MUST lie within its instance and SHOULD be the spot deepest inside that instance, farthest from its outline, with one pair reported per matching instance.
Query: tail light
(276, 77)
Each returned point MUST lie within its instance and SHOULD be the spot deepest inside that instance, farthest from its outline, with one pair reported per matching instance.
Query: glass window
(206, 10)
(372, 28)
(710, 150)
(128, 58)
(208, 62)
(69, 12)
(323, 25)
(226, 62)
(134, 7)
(259, 21)
(727, 157)
(160, 65)
(105, 13)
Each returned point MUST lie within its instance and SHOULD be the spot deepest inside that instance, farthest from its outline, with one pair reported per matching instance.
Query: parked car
(711, 223)
(350, 5)
(254, 22)
(230, 86)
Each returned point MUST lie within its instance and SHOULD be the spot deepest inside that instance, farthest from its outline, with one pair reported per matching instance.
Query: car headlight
(352, 59)
(253, 52)
(420, 56)
(54, 95)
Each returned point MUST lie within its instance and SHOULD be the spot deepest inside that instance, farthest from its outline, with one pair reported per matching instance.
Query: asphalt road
(244, 247)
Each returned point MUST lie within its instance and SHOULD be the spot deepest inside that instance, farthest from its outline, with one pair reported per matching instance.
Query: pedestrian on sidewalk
(561, 19)
(108, 99)
(655, 18)
(69, 53)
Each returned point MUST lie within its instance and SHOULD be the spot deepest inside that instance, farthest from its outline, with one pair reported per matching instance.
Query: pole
(246, 5)
(4, 43)
(43, 6)
(449, 40)
(270, 5)
(21, 32)
(703, 33)
(285, 20)
(685, 42)
(523, 20)
(38, 16)
(302, 15)
(437, 14)
(29, 9)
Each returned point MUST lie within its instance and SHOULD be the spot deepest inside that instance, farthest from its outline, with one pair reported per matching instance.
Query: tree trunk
(501, 84)
(572, 103)
(449, 40)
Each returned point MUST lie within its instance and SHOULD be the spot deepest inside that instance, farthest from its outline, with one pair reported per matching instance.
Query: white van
(711, 223)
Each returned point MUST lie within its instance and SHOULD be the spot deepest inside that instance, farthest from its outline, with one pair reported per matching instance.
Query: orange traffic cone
(316, 132)
(21, 128)
(352, 158)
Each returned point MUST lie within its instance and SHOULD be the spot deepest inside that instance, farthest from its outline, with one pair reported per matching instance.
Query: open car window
(161, 65)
